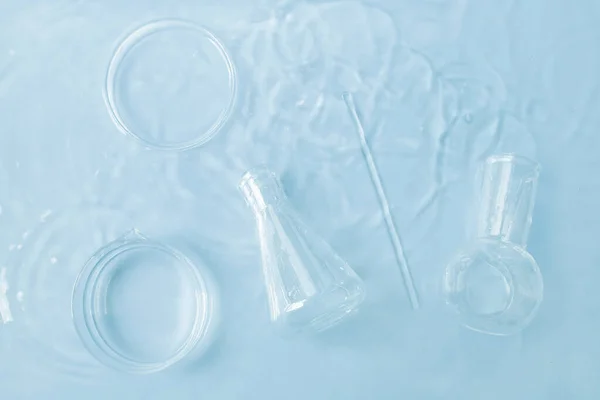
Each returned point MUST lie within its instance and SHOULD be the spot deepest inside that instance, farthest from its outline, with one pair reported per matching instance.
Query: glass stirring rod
(387, 215)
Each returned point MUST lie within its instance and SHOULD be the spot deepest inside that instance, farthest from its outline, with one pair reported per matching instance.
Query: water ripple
(41, 271)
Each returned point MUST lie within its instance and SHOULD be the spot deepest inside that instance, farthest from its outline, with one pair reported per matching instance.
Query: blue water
(440, 84)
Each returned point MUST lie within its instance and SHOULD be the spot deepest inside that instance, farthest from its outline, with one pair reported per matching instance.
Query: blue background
(440, 85)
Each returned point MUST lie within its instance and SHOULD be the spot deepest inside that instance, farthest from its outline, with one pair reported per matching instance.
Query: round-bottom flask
(495, 287)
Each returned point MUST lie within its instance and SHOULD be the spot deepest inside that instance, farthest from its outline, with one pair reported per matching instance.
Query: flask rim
(514, 159)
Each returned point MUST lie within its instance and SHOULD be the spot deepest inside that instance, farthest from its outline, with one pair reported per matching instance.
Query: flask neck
(261, 188)
(508, 185)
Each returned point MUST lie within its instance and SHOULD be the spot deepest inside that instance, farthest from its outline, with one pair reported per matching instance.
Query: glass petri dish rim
(126, 45)
(88, 294)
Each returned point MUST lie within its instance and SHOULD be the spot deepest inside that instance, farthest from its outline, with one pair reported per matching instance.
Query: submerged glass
(496, 285)
(80, 295)
(141, 306)
(310, 287)
(161, 75)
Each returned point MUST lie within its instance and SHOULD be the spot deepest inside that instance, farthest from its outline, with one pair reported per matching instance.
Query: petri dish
(141, 306)
(171, 85)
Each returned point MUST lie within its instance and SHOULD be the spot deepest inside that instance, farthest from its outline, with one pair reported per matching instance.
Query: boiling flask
(495, 285)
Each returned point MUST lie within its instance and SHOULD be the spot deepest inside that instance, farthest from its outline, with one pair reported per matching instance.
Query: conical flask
(496, 285)
(309, 287)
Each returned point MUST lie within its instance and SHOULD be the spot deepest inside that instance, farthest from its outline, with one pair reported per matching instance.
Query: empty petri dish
(171, 85)
(141, 306)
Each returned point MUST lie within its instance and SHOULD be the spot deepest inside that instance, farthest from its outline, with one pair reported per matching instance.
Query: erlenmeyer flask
(309, 287)
(496, 285)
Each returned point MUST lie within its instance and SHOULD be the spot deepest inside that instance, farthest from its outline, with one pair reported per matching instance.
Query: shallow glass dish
(171, 85)
(141, 306)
